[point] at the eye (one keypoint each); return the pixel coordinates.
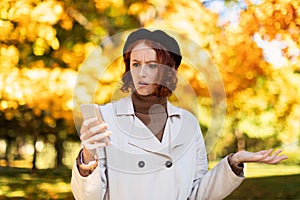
(135, 64)
(153, 65)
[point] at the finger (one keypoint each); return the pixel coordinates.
(277, 152)
(98, 138)
(280, 158)
(272, 156)
(92, 147)
(260, 156)
(89, 123)
(277, 159)
(262, 152)
(100, 128)
(267, 153)
(86, 124)
(96, 130)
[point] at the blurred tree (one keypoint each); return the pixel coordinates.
(42, 45)
(263, 91)
(250, 76)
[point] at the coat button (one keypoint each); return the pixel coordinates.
(168, 164)
(141, 164)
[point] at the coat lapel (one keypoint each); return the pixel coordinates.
(181, 130)
(140, 136)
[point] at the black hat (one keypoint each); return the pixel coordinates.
(157, 36)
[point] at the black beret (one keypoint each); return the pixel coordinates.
(157, 36)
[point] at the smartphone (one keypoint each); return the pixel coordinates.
(92, 110)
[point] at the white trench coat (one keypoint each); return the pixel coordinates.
(139, 167)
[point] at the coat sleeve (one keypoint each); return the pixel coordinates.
(93, 186)
(215, 184)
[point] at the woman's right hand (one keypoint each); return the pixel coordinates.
(93, 135)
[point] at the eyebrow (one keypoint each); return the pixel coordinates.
(150, 61)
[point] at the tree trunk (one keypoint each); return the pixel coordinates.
(7, 150)
(59, 149)
(241, 143)
(35, 135)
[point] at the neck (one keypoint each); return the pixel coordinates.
(143, 103)
(152, 111)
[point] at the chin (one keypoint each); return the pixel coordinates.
(143, 92)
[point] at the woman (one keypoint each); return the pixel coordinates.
(157, 151)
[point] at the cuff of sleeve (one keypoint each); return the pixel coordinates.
(81, 159)
(85, 169)
(237, 168)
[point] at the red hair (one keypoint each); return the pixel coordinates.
(168, 68)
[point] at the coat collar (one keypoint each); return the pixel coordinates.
(125, 107)
(142, 137)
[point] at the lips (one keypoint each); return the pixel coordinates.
(143, 83)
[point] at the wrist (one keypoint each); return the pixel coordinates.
(85, 169)
(235, 159)
(235, 165)
(86, 157)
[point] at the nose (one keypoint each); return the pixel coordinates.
(143, 70)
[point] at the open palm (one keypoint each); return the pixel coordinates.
(264, 156)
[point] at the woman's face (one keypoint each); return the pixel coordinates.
(144, 69)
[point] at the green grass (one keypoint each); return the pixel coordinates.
(274, 187)
(262, 182)
(20, 183)
(269, 182)
(254, 170)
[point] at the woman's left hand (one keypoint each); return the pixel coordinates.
(264, 156)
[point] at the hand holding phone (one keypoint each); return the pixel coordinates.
(91, 111)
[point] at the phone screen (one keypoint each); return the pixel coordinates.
(90, 110)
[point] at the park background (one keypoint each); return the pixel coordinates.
(255, 45)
